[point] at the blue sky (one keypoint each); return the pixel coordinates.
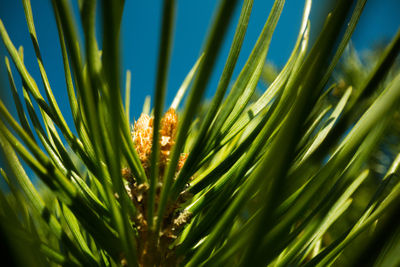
(140, 33)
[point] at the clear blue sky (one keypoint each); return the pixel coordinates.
(140, 35)
(141, 26)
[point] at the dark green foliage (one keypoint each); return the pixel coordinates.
(284, 177)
